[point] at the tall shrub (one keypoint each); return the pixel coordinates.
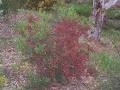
(67, 47)
(55, 52)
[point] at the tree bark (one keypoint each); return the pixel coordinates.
(99, 7)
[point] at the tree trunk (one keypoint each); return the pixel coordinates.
(99, 7)
(98, 17)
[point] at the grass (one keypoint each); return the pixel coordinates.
(36, 82)
(112, 34)
(113, 13)
(106, 62)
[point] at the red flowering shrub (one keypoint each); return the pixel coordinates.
(67, 47)
(57, 52)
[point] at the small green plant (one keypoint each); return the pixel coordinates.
(85, 20)
(21, 26)
(3, 80)
(66, 11)
(36, 82)
(83, 9)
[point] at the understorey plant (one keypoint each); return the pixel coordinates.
(68, 50)
(34, 41)
(56, 53)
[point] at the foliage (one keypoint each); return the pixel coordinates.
(31, 33)
(33, 39)
(67, 46)
(85, 20)
(107, 62)
(36, 82)
(112, 34)
(66, 11)
(113, 14)
(82, 9)
(3, 80)
(56, 51)
(110, 66)
(37, 4)
(71, 11)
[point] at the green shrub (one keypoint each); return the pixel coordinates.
(34, 34)
(83, 9)
(66, 11)
(71, 11)
(36, 82)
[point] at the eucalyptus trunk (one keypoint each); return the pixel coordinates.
(99, 8)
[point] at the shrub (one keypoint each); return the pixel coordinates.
(71, 11)
(82, 9)
(36, 82)
(67, 48)
(37, 4)
(34, 39)
(56, 51)
(66, 11)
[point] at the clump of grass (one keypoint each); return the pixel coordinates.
(66, 11)
(83, 9)
(113, 13)
(36, 82)
(109, 66)
(112, 34)
(107, 62)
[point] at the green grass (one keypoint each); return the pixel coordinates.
(83, 9)
(36, 82)
(113, 13)
(112, 34)
(106, 62)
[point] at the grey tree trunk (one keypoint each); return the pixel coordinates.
(98, 17)
(99, 7)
